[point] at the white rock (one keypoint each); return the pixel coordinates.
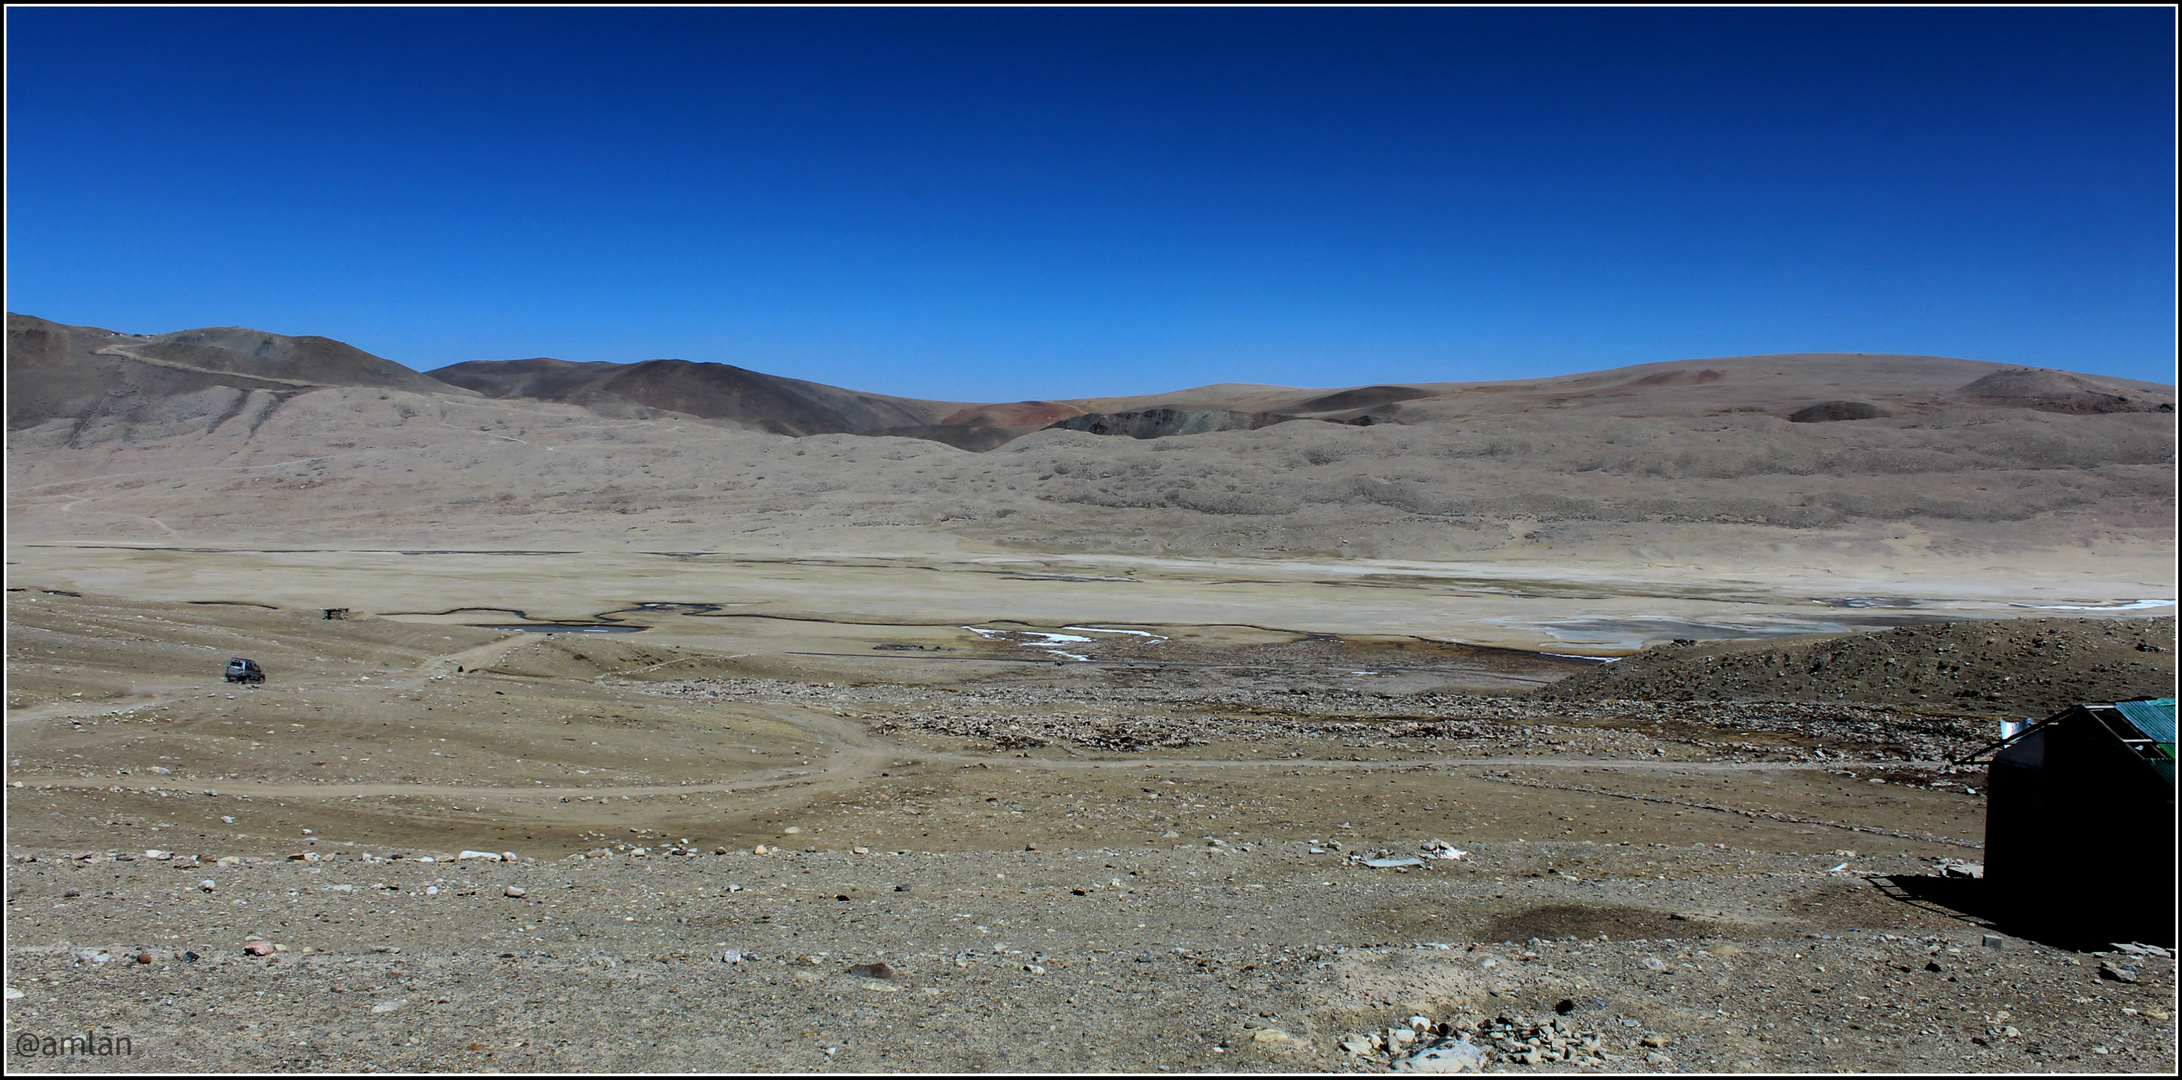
(155, 853)
(425, 858)
(488, 856)
(1450, 1057)
(514, 891)
(431, 890)
(507, 856)
(207, 885)
(13, 993)
(389, 1006)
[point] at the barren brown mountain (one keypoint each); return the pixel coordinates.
(88, 376)
(712, 391)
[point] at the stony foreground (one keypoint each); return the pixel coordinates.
(1154, 860)
(1188, 957)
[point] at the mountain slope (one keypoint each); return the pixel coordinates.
(1698, 462)
(85, 374)
(712, 391)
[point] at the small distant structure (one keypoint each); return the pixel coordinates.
(337, 613)
(2080, 823)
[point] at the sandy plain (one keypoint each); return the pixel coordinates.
(1077, 735)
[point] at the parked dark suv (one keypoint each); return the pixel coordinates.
(246, 671)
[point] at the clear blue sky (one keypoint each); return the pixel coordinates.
(992, 205)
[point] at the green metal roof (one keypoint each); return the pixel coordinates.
(2155, 718)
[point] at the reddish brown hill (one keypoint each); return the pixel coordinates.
(1023, 415)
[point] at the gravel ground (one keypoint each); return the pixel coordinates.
(2022, 667)
(1187, 958)
(1064, 868)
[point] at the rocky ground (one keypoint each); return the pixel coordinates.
(1186, 957)
(1154, 861)
(2030, 666)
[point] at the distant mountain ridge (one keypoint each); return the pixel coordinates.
(83, 373)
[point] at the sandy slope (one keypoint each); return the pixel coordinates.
(1607, 480)
(1964, 471)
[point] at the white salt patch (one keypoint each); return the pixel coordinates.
(1105, 630)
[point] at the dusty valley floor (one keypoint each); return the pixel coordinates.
(1073, 846)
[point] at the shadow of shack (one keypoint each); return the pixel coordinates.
(2080, 825)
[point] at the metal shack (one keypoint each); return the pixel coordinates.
(2080, 824)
